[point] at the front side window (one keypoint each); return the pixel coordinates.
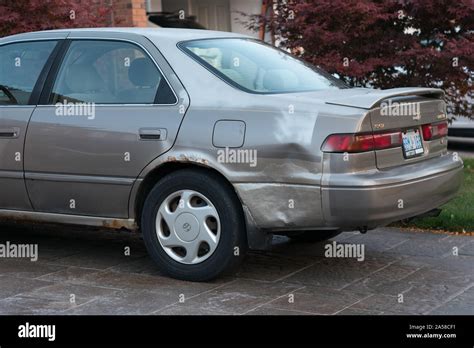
(109, 72)
(20, 66)
(257, 67)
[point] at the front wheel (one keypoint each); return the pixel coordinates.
(193, 226)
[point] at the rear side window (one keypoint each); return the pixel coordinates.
(20, 66)
(258, 68)
(109, 72)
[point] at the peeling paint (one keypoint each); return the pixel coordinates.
(186, 158)
(119, 223)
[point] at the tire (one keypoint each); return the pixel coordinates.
(312, 236)
(198, 193)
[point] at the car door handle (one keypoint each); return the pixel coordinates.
(10, 132)
(152, 133)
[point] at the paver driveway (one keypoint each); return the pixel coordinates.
(86, 271)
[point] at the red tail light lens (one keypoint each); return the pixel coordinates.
(387, 140)
(348, 143)
(361, 142)
(435, 130)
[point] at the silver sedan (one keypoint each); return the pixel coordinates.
(209, 143)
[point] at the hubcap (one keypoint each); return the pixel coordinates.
(188, 227)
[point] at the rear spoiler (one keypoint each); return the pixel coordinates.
(369, 98)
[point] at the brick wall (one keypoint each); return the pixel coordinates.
(129, 13)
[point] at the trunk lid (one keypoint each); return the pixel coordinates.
(405, 109)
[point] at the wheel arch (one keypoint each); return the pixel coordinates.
(146, 184)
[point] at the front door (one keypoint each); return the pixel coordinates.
(109, 113)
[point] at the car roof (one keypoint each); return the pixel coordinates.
(168, 34)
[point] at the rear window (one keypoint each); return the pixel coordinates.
(257, 67)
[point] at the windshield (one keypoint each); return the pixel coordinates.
(257, 67)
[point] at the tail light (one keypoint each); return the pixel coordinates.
(387, 140)
(361, 142)
(348, 143)
(435, 130)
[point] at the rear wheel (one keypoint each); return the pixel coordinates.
(312, 236)
(193, 226)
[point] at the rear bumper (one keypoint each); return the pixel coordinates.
(380, 197)
(351, 201)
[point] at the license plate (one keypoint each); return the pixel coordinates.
(412, 144)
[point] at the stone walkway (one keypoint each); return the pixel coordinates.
(86, 271)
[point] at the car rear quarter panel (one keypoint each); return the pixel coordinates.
(282, 189)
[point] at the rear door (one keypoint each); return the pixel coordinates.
(21, 65)
(108, 111)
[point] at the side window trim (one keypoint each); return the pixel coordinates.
(39, 84)
(53, 73)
